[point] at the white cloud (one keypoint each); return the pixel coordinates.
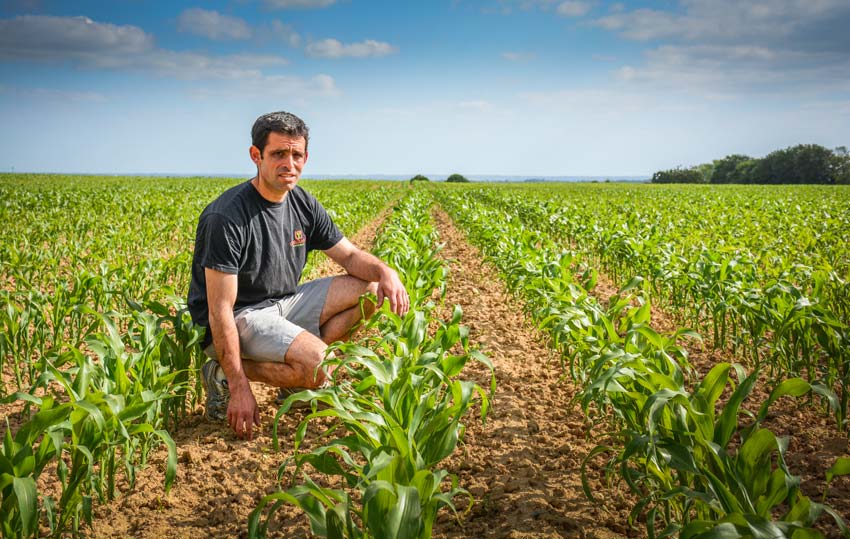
(290, 87)
(331, 48)
(723, 20)
(212, 25)
(605, 102)
(195, 66)
(568, 8)
(725, 46)
(50, 94)
(735, 67)
(573, 8)
(42, 37)
(285, 32)
(297, 4)
(106, 46)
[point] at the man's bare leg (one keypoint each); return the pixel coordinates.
(344, 299)
(299, 369)
(339, 315)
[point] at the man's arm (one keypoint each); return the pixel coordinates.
(368, 267)
(242, 411)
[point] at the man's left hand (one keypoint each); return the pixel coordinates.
(391, 288)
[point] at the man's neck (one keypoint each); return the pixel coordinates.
(271, 196)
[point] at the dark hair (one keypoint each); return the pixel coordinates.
(281, 122)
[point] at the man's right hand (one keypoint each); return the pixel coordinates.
(242, 411)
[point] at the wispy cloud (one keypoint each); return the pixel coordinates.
(297, 4)
(50, 94)
(518, 56)
(212, 25)
(726, 45)
(293, 88)
(568, 8)
(43, 37)
(285, 33)
(573, 8)
(476, 105)
(98, 45)
(332, 48)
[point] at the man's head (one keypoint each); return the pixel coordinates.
(279, 150)
(281, 122)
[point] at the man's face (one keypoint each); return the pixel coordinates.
(279, 166)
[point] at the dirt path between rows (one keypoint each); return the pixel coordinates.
(523, 466)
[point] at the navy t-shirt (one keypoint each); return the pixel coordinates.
(264, 243)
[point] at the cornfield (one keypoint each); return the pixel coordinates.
(100, 359)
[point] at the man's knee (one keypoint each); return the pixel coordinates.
(305, 354)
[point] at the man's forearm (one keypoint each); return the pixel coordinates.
(364, 266)
(226, 343)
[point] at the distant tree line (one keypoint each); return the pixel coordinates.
(804, 163)
(454, 178)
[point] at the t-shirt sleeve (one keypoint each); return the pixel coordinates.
(223, 241)
(325, 234)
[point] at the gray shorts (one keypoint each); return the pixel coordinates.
(265, 333)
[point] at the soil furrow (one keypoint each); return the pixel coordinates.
(523, 466)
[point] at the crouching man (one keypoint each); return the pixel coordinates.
(251, 246)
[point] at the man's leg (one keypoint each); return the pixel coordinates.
(342, 311)
(305, 353)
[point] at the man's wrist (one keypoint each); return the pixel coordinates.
(238, 383)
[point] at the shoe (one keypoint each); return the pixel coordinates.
(218, 394)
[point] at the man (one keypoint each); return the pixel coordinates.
(251, 246)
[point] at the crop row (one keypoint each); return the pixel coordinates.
(96, 347)
(397, 403)
(765, 274)
(696, 466)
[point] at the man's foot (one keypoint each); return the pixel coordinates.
(218, 394)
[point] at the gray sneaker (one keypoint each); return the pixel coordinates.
(218, 394)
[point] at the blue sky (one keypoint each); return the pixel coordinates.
(489, 87)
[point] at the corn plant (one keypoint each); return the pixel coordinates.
(667, 444)
(399, 403)
(748, 282)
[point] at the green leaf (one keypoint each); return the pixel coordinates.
(25, 493)
(794, 387)
(728, 421)
(840, 467)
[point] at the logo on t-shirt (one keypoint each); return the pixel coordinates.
(298, 239)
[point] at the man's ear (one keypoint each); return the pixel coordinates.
(306, 156)
(256, 155)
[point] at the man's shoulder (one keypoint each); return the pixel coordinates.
(301, 193)
(232, 202)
